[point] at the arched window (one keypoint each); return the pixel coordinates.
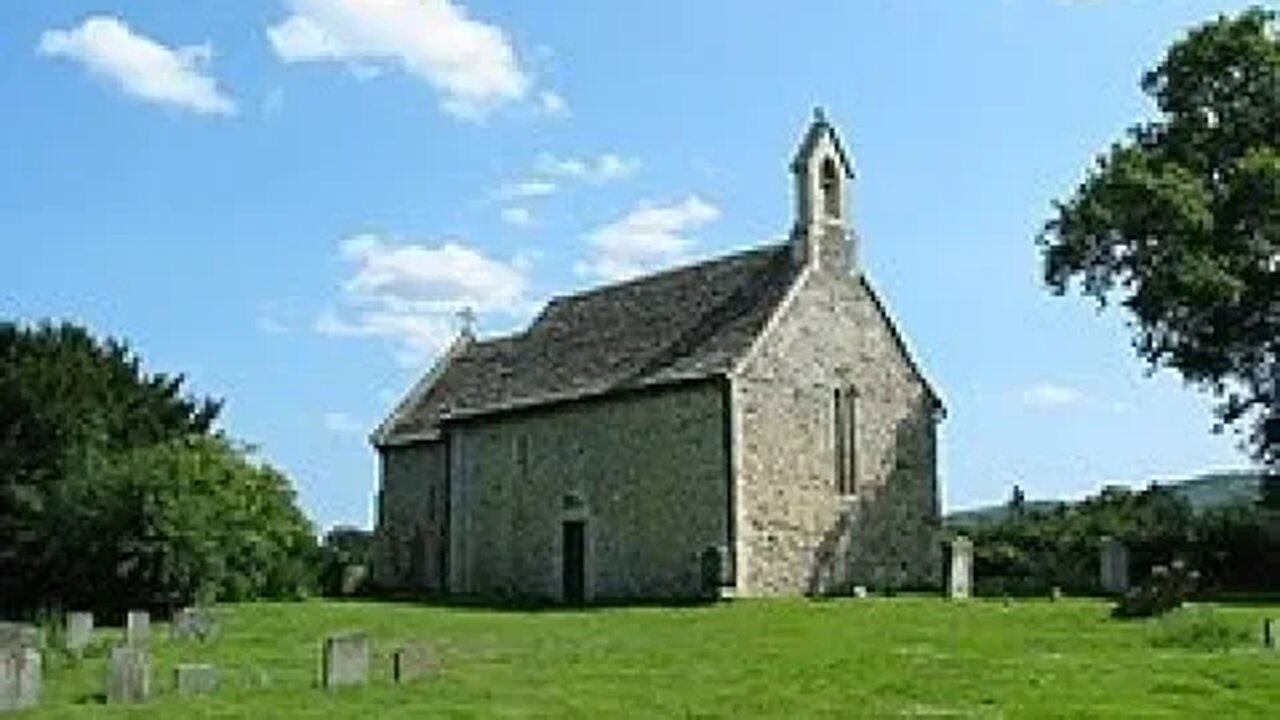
(830, 188)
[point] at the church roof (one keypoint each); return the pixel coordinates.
(689, 323)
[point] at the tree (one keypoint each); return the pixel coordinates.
(116, 492)
(1181, 221)
(64, 396)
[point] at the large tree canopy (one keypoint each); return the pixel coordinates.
(115, 491)
(1180, 221)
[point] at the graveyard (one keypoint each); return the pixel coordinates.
(904, 655)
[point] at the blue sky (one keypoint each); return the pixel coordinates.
(289, 200)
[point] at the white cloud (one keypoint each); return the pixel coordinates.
(649, 237)
(411, 294)
(517, 216)
(471, 63)
(142, 67)
(1048, 395)
(604, 168)
(271, 326)
(553, 104)
(342, 424)
(525, 189)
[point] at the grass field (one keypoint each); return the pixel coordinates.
(835, 658)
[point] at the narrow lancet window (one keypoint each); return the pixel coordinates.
(830, 180)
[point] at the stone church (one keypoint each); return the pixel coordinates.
(753, 424)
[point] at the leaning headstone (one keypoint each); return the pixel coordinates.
(79, 631)
(413, 661)
(191, 623)
(195, 679)
(959, 568)
(353, 578)
(137, 628)
(20, 666)
(345, 660)
(128, 674)
(1113, 566)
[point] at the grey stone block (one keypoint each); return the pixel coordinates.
(1113, 566)
(959, 568)
(345, 660)
(413, 661)
(79, 632)
(137, 629)
(128, 674)
(20, 677)
(195, 679)
(19, 635)
(193, 623)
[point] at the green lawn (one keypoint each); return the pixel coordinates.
(848, 658)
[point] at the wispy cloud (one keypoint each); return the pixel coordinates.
(271, 326)
(472, 63)
(342, 424)
(604, 168)
(525, 189)
(142, 67)
(410, 294)
(517, 216)
(648, 238)
(1049, 395)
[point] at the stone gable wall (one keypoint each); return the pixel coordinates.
(647, 472)
(410, 537)
(796, 533)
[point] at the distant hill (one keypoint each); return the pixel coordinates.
(1202, 492)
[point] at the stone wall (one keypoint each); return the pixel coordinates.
(647, 472)
(796, 532)
(411, 511)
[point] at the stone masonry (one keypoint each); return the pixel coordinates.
(761, 407)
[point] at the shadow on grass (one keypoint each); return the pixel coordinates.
(521, 604)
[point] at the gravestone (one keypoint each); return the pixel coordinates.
(189, 623)
(128, 674)
(353, 578)
(860, 591)
(1269, 629)
(20, 666)
(1113, 566)
(1055, 594)
(137, 628)
(413, 661)
(958, 571)
(79, 631)
(195, 679)
(345, 660)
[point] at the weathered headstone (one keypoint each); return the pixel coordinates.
(79, 631)
(1113, 566)
(137, 628)
(1269, 629)
(345, 660)
(353, 578)
(413, 661)
(1055, 594)
(959, 568)
(195, 679)
(860, 591)
(20, 666)
(191, 623)
(128, 674)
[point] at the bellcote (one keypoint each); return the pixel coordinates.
(822, 172)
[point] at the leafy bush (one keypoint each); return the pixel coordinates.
(1164, 590)
(1199, 629)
